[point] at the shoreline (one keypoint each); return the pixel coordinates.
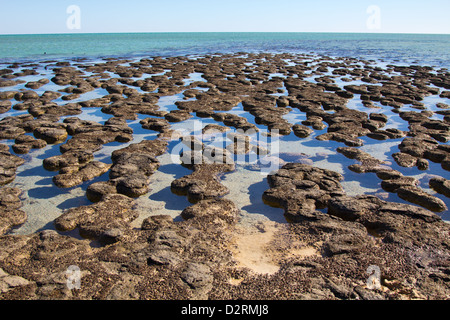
(348, 205)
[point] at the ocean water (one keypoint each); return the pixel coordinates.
(433, 50)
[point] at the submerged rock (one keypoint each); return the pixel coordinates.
(368, 163)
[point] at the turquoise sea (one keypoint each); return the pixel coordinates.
(433, 50)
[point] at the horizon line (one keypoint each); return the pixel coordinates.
(168, 32)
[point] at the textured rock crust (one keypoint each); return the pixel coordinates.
(331, 239)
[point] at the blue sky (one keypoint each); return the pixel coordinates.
(396, 16)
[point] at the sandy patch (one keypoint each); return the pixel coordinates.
(264, 246)
(250, 249)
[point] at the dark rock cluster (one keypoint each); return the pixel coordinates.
(129, 174)
(331, 239)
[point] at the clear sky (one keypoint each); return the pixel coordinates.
(393, 16)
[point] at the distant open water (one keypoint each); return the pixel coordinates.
(431, 50)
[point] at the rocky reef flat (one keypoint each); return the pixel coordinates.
(359, 180)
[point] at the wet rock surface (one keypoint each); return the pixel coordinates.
(331, 239)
